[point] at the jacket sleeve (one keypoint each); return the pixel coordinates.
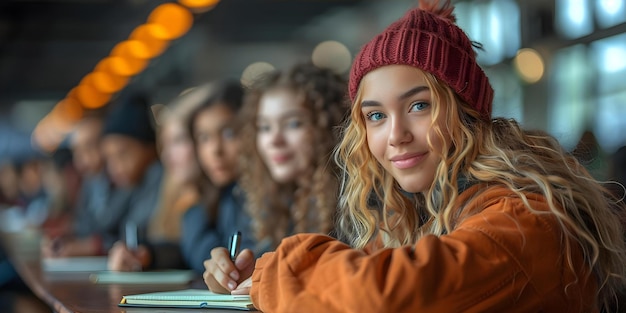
(475, 266)
(145, 198)
(197, 238)
(165, 255)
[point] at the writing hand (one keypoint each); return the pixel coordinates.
(243, 288)
(221, 275)
(123, 259)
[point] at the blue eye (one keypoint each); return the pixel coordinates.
(419, 106)
(294, 124)
(375, 116)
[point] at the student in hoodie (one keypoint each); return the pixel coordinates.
(180, 190)
(478, 214)
(288, 135)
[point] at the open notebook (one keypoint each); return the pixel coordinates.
(153, 277)
(189, 298)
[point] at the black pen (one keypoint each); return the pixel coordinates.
(235, 243)
(57, 244)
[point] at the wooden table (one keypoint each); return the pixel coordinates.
(73, 292)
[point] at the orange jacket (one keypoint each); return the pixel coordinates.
(502, 259)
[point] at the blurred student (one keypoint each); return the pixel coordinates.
(32, 192)
(213, 126)
(134, 176)
(14, 294)
(24, 183)
(288, 176)
(180, 191)
(84, 143)
(61, 183)
(9, 190)
(478, 215)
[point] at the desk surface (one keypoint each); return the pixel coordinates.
(73, 292)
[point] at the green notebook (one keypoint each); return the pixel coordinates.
(189, 298)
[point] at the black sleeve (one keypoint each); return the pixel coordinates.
(166, 255)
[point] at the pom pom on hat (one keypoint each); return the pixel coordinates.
(428, 38)
(131, 117)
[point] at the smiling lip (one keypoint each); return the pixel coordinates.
(407, 160)
(281, 158)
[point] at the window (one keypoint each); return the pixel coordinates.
(609, 55)
(507, 101)
(494, 24)
(610, 58)
(573, 18)
(570, 95)
(611, 122)
(610, 12)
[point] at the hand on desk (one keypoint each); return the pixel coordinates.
(221, 275)
(67, 247)
(123, 259)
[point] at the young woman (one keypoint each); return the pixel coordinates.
(477, 214)
(221, 213)
(287, 173)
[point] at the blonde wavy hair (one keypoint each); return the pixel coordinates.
(476, 150)
(276, 208)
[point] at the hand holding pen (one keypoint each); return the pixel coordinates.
(129, 255)
(227, 268)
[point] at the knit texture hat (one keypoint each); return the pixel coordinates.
(428, 38)
(131, 117)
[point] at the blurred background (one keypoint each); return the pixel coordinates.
(556, 65)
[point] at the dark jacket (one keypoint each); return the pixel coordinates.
(104, 210)
(200, 235)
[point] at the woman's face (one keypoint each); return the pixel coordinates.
(178, 154)
(217, 145)
(396, 105)
(284, 137)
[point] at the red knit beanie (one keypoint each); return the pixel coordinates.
(428, 38)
